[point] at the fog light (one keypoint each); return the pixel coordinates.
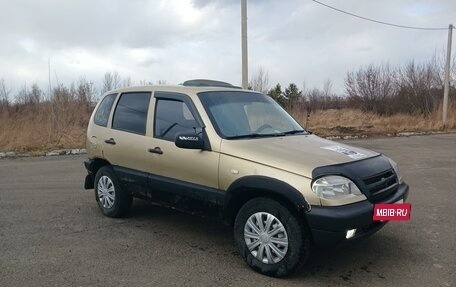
(350, 233)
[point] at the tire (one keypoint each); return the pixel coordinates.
(278, 259)
(112, 200)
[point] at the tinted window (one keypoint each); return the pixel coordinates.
(173, 117)
(131, 113)
(103, 111)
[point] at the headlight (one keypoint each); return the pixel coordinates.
(335, 187)
(396, 169)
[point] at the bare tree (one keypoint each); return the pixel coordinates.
(327, 88)
(416, 84)
(438, 67)
(4, 102)
(145, 83)
(371, 87)
(111, 81)
(4, 94)
(84, 93)
(21, 96)
(36, 94)
(126, 82)
(30, 96)
(314, 97)
(437, 64)
(260, 81)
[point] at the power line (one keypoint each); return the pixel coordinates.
(377, 21)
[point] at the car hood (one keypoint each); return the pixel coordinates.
(299, 154)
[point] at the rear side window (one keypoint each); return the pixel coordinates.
(131, 112)
(102, 115)
(173, 117)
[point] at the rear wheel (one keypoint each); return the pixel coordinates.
(270, 238)
(111, 199)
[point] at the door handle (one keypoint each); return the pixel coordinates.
(110, 141)
(156, 150)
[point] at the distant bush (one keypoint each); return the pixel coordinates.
(412, 89)
(415, 89)
(37, 122)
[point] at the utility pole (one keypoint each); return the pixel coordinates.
(245, 73)
(447, 76)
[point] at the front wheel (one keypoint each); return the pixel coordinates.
(270, 238)
(111, 198)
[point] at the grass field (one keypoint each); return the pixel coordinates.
(355, 122)
(39, 128)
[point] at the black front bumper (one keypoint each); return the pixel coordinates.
(329, 224)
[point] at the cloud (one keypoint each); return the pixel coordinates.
(295, 41)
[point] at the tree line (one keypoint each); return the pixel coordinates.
(55, 113)
(414, 88)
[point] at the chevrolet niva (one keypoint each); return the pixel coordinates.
(209, 148)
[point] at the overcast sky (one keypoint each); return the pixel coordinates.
(293, 40)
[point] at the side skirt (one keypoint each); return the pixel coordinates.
(185, 196)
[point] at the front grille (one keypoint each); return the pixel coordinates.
(374, 176)
(381, 185)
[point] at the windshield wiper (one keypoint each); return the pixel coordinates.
(256, 135)
(292, 132)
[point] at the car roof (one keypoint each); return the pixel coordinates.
(188, 90)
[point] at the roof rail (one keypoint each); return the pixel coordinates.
(208, 83)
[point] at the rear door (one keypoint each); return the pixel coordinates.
(126, 143)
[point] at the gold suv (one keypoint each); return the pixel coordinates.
(209, 148)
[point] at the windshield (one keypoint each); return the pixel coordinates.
(246, 115)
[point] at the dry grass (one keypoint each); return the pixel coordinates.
(43, 127)
(355, 122)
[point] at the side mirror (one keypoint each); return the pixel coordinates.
(189, 141)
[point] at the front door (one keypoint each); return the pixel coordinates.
(184, 178)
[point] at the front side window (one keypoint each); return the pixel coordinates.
(102, 114)
(247, 115)
(131, 112)
(173, 117)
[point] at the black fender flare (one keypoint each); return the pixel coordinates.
(92, 166)
(265, 185)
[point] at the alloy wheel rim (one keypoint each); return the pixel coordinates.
(106, 192)
(266, 237)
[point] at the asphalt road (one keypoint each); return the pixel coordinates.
(52, 233)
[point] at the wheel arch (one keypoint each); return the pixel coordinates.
(249, 187)
(92, 166)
